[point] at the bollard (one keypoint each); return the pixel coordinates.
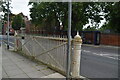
(23, 37)
(75, 70)
(23, 41)
(15, 35)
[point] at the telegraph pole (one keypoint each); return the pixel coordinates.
(69, 39)
(8, 27)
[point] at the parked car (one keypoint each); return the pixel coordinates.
(11, 31)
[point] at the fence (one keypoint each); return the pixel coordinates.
(88, 37)
(49, 50)
(52, 51)
(110, 39)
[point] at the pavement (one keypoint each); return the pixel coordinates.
(17, 66)
(0, 61)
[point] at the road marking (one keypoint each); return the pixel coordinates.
(105, 46)
(9, 45)
(86, 51)
(112, 56)
(9, 42)
(91, 45)
(105, 54)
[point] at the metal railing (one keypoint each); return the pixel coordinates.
(52, 51)
(49, 50)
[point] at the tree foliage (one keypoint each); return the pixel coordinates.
(5, 10)
(53, 13)
(49, 15)
(1, 3)
(114, 17)
(18, 22)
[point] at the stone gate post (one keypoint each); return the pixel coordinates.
(75, 70)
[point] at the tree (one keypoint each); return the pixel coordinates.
(90, 29)
(18, 22)
(1, 9)
(47, 14)
(1, 3)
(114, 17)
(50, 14)
(4, 6)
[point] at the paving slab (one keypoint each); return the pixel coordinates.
(14, 72)
(47, 71)
(10, 67)
(36, 74)
(29, 70)
(55, 75)
(20, 76)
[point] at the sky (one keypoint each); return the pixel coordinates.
(19, 6)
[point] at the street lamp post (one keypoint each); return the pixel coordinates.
(8, 27)
(69, 38)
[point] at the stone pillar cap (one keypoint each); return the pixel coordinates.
(77, 38)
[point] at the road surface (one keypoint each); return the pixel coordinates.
(99, 62)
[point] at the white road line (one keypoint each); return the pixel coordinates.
(9, 42)
(86, 51)
(103, 55)
(9, 46)
(113, 58)
(12, 47)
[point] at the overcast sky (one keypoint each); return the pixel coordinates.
(20, 6)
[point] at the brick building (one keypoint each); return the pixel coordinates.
(11, 30)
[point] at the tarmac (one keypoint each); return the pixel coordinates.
(15, 66)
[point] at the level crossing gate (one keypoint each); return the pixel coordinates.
(50, 50)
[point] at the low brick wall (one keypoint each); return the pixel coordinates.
(89, 37)
(110, 39)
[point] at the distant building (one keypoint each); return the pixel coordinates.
(5, 29)
(27, 24)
